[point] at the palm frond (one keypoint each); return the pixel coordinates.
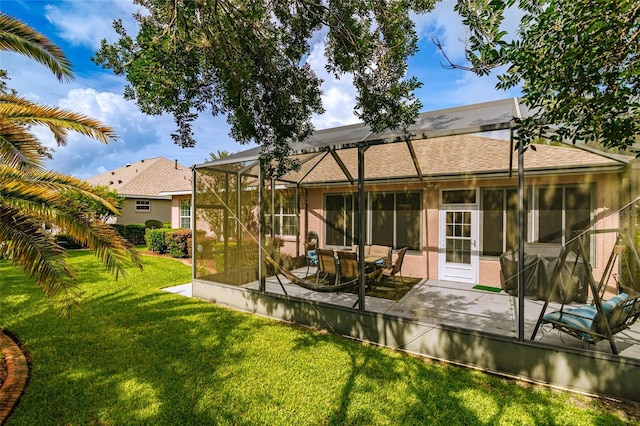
(44, 192)
(18, 147)
(108, 246)
(22, 111)
(24, 243)
(18, 37)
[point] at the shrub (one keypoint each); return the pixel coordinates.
(179, 243)
(152, 223)
(134, 233)
(64, 241)
(156, 240)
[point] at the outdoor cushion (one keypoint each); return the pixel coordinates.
(580, 318)
(613, 302)
(584, 319)
(312, 257)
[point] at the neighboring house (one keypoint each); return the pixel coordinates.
(155, 188)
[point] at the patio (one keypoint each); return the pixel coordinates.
(455, 207)
(459, 305)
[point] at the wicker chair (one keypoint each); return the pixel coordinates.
(326, 265)
(393, 269)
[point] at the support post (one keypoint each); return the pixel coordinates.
(262, 271)
(521, 230)
(361, 227)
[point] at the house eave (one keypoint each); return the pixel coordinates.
(172, 193)
(144, 196)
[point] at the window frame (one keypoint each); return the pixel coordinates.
(281, 195)
(504, 217)
(532, 215)
(181, 212)
(369, 212)
(590, 247)
(143, 206)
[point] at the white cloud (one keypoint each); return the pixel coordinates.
(445, 24)
(84, 23)
(140, 136)
(338, 95)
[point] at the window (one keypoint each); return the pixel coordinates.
(393, 219)
(285, 213)
(185, 213)
(459, 196)
(560, 213)
(143, 205)
(499, 221)
(339, 219)
(563, 212)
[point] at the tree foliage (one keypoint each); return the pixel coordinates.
(32, 199)
(578, 62)
(247, 60)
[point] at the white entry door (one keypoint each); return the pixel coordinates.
(458, 251)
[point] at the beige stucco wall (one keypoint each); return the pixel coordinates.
(425, 264)
(175, 209)
(160, 210)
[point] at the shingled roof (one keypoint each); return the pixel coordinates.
(146, 178)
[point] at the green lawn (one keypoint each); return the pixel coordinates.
(132, 354)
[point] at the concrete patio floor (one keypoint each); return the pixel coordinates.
(458, 305)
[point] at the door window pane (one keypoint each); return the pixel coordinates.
(457, 246)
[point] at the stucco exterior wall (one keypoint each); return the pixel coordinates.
(160, 210)
(425, 264)
(175, 209)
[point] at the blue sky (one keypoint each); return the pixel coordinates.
(77, 26)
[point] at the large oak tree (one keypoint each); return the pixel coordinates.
(246, 59)
(578, 62)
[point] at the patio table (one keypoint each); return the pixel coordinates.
(374, 260)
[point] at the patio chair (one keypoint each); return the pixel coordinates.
(392, 269)
(349, 269)
(312, 258)
(592, 324)
(383, 252)
(326, 265)
(600, 320)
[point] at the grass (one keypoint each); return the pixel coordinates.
(132, 354)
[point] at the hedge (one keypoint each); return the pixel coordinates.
(179, 243)
(134, 233)
(156, 239)
(66, 242)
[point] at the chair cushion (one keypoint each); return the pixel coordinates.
(312, 257)
(610, 304)
(580, 318)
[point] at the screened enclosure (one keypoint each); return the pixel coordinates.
(415, 223)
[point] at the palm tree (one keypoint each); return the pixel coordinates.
(32, 198)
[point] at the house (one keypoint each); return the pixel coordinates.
(451, 199)
(451, 190)
(154, 188)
